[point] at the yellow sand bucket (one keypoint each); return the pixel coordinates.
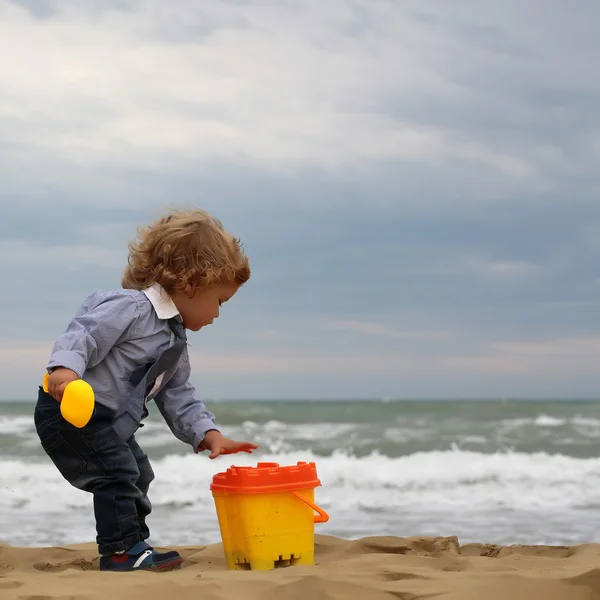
(266, 515)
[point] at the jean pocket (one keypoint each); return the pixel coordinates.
(45, 420)
(64, 455)
(101, 438)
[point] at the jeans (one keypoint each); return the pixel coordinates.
(95, 459)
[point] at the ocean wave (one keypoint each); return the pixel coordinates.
(466, 480)
(548, 421)
(19, 425)
(399, 437)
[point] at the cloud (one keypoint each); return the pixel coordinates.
(571, 357)
(153, 98)
(138, 86)
(511, 368)
(573, 348)
(416, 184)
(381, 330)
(70, 257)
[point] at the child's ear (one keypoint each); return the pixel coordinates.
(190, 291)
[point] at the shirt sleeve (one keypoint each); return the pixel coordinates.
(186, 416)
(104, 320)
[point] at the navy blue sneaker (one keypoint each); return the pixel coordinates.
(141, 557)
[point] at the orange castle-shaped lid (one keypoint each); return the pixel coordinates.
(266, 477)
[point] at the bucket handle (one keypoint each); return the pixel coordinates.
(322, 517)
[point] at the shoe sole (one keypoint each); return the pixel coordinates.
(166, 566)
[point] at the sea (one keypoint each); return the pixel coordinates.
(494, 471)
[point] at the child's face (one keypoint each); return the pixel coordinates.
(199, 307)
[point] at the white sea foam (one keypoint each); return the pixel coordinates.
(433, 473)
(453, 492)
(19, 426)
(301, 431)
(544, 420)
(452, 478)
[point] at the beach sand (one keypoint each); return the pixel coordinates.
(374, 568)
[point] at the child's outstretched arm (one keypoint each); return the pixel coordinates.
(218, 444)
(189, 419)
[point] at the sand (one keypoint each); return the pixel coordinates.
(374, 568)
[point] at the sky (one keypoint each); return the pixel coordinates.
(416, 185)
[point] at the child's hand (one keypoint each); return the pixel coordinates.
(58, 380)
(217, 444)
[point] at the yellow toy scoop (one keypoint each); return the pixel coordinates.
(77, 405)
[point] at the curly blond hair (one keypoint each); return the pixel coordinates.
(186, 247)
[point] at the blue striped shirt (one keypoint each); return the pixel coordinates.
(115, 332)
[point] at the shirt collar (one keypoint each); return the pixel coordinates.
(161, 301)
